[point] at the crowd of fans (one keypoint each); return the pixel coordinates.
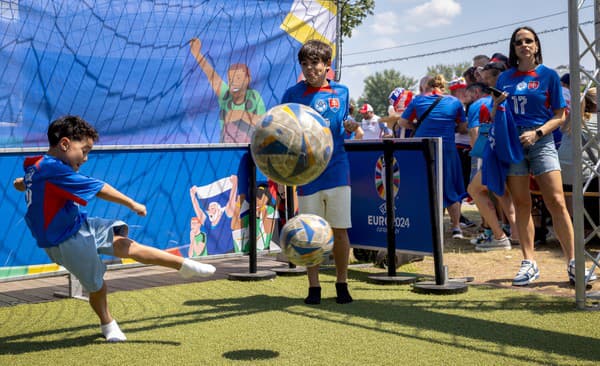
(506, 130)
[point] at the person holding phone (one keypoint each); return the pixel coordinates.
(480, 118)
(537, 106)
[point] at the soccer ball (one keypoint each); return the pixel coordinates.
(306, 240)
(292, 144)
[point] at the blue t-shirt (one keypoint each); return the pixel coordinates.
(479, 112)
(219, 237)
(533, 95)
(441, 121)
(54, 195)
(332, 103)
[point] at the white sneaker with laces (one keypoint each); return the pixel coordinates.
(494, 244)
(528, 273)
(486, 235)
(571, 272)
(457, 233)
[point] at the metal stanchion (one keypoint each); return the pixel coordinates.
(391, 277)
(252, 274)
(441, 285)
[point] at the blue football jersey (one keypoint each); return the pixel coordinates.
(54, 194)
(479, 112)
(533, 95)
(332, 103)
(441, 121)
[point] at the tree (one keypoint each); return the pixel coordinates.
(353, 13)
(449, 71)
(379, 86)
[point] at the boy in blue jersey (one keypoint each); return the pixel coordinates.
(55, 190)
(329, 195)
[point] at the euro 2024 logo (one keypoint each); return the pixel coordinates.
(380, 180)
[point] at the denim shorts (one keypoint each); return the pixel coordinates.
(80, 254)
(475, 166)
(540, 158)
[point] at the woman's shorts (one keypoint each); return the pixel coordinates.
(540, 158)
(80, 254)
(331, 204)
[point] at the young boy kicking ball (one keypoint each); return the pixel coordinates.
(55, 190)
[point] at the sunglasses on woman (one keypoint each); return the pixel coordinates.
(520, 42)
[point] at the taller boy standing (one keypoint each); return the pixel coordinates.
(55, 190)
(329, 195)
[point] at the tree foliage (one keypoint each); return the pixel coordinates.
(449, 71)
(353, 13)
(379, 86)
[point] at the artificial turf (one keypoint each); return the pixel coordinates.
(225, 322)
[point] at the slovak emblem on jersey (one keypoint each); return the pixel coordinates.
(334, 104)
(533, 84)
(522, 85)
(321, 105)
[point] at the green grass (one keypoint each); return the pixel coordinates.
(254, 323)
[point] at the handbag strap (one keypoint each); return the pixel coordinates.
(424, 115)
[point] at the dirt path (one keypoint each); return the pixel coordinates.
(499, 267)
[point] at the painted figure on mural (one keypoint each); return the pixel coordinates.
(240, 107)
(220, 213)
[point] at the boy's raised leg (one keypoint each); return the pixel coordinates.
(127, 248)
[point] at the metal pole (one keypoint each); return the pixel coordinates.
(252, 215)
(438, 259)
(388, 158)
(575, 120)
(290, 210)
(338, 40)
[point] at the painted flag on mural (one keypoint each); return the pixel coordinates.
(215, 208)
(312, 20)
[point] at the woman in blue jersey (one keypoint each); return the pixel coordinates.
(446, 118)
(537, 106)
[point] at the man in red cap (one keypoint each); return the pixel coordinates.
(372, 127)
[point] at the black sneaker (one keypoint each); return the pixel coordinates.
(343, 295)
(314, 296)
(466, 223)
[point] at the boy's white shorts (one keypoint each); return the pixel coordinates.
(80, 254)
(331, 204)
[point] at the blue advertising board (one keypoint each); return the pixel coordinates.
(196, 197)
(411, 199)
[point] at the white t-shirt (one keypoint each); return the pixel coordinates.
(371, 128)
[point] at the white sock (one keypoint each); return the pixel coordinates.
(190, 268)
(112, 332)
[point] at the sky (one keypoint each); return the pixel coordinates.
(457, 28)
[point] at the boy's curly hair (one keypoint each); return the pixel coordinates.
(73, 127)
(315, 50)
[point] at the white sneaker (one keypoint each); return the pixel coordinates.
(190, 268)
(457, 233)
(528, 273)
(112, 332)
(486, 235)
(590, 277)
(494, 244)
